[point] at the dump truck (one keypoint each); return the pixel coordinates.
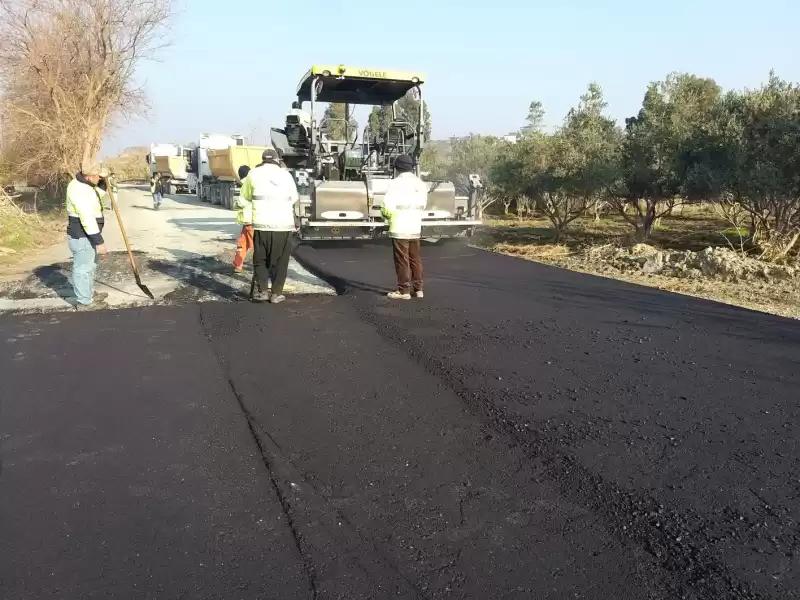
(223, 186)
(199, 173)
(342, 182)
(171, 163)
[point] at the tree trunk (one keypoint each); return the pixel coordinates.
(645, 226)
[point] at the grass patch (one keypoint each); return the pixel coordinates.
(695, 229)
(22, 232)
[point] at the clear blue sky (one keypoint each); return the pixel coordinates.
(234, 66)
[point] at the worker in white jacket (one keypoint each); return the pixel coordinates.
(271, 193)
(403, 206)
(85, 223)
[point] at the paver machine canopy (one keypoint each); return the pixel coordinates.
(309, 144)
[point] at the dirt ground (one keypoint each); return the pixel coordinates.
(676, 258)
(183, 252)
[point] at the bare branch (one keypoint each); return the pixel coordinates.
(67, 70)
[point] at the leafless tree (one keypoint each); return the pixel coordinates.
(67, 73)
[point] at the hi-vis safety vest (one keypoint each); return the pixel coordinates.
(245, 214)
(403, 206)
(271, 193)
(85, 202)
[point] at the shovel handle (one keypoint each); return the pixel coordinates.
(122, 230)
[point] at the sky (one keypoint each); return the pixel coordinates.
(233, 67)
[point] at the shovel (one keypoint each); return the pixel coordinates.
(142, 286)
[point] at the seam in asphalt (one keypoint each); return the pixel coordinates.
(308, 567)
(273, 465)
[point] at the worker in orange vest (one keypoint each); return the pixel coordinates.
(244, 243)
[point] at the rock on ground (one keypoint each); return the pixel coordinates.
(720, 264)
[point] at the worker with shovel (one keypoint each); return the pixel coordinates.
(84, 233)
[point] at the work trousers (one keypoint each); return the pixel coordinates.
(408, 265)
(156, 199)
(84, 264)
(271, 253)
(243, 245)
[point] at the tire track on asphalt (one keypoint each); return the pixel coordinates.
(299, 496)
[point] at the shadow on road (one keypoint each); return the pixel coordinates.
(196, 276)
(53, 277)
(110, 269)
(340, 284)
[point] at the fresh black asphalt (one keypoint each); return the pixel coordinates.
(522, 432)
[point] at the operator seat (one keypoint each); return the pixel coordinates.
(297, 134)
(396, 137)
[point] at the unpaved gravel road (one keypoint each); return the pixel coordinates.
(184, 251)
(523, 432)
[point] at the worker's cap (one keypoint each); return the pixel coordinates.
(404, 163)
(270, 155)
(96, 169)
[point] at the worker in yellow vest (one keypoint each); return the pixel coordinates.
(271, 193)
(85, 196)
(403, 206)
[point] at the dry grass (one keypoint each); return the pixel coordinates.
(695, 229)
(535, 251)
(129, 167)
(691, 228)
(21, 232)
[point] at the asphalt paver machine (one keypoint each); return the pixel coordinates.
(342, 181)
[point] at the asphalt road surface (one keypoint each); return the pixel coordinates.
(522, 432)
